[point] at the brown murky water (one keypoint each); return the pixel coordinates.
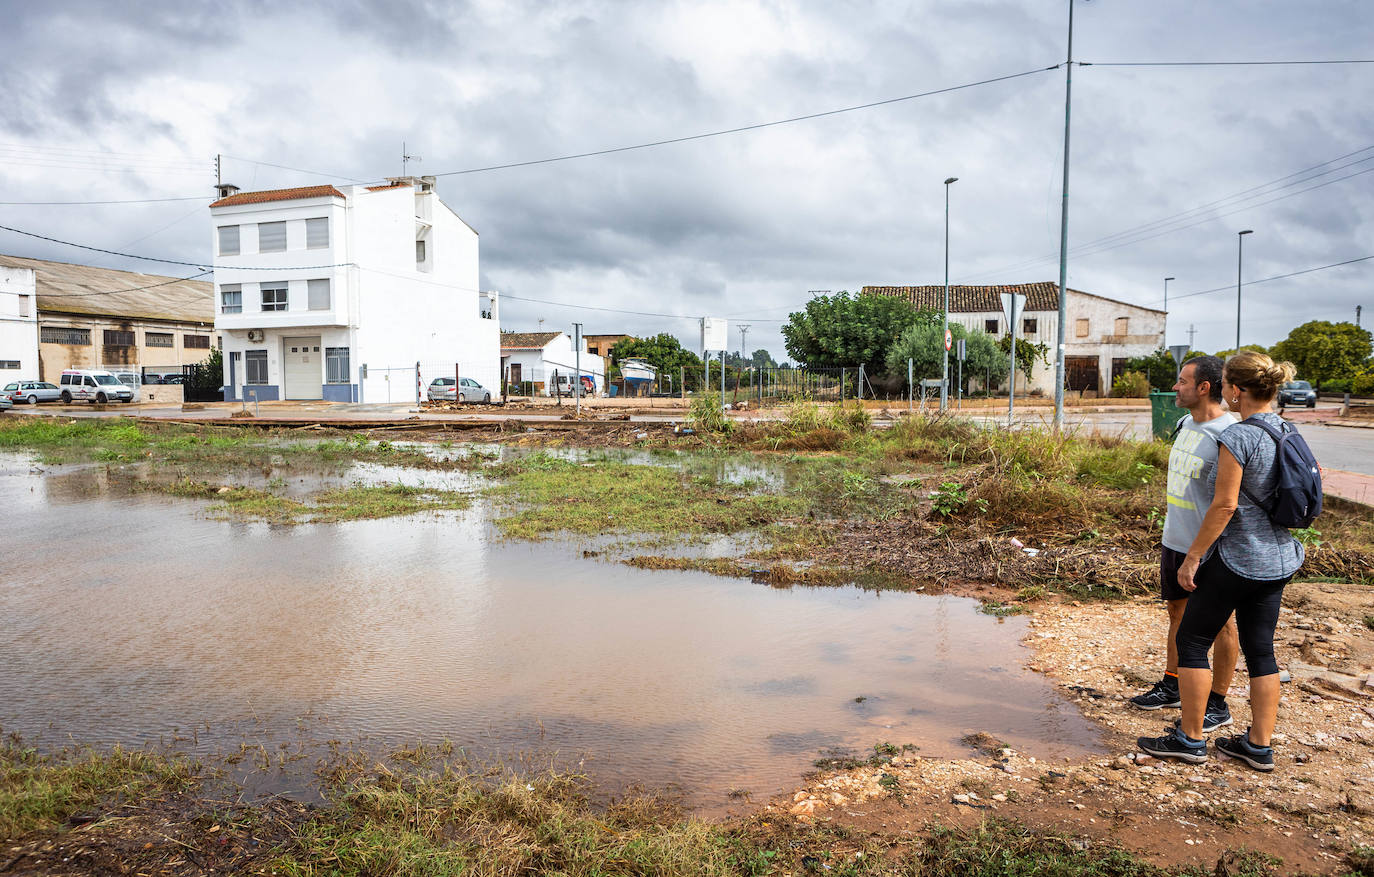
(135, 618)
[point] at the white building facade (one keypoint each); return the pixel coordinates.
(340, 293)
(1102, 333)
(536, 357)
(18, 324)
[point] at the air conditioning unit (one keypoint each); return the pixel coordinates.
(255, 335)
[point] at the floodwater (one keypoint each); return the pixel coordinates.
(132, 618)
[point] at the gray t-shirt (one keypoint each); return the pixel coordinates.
(1189, 490)
(1252, 545)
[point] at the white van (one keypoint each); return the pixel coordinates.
(92, 385)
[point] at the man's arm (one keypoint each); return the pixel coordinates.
(1218, 515)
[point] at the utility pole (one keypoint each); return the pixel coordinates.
(1166, 309)
(1063, 245)
(1192, 330)
(1358, 308)
(577, 366)
(219, 178)
(743, 333)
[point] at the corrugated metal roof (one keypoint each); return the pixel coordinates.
(278, 195)
(83, 289)
(526, 340)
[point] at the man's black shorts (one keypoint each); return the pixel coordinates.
(1169, 562)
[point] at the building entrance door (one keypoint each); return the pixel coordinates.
(303, 368)
(1080, 373)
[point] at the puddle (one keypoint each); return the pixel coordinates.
(133, 618)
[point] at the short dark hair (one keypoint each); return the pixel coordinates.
(1208, 368)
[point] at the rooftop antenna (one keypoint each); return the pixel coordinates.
(406, 158)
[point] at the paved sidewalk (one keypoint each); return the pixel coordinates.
(1348, 485)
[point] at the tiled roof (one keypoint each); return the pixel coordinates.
(526, 340)
(973, 299)
(278, 195)
(385, 186)
(105, 292)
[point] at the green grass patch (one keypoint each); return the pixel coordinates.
(42, 791)
(559, 496)
(356, 502)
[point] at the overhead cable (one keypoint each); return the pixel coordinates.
(1220, 63)
(1231, 286)
(43, 237)
(118, 291)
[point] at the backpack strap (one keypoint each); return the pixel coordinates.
(1277, 436)
(1178, 427)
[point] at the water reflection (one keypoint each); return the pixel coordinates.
(130, 615)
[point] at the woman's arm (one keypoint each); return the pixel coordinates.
(1218, 515)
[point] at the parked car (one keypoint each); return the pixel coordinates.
(449, 390)
(5, 403)
(565, 385)
(90, 385)
(1297, 393)
(31, 392)
(174, 379)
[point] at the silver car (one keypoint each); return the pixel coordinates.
(31, 392)
(5, 403)
(461, 390)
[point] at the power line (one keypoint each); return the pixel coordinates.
(298, 170)
(743, 128)
(93, 203)
(118, 291)
(1232, 286)
(561, 304)
(43, 237)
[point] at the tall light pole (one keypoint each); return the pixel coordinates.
(1240, 246)
(1063, 321)
(1166, 309)
(944, 320)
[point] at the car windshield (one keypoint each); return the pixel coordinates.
(106, 380)
(1299, 385)
(10, 388)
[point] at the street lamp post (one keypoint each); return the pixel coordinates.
(1240, 246)
(1166, 308)
(944, 321)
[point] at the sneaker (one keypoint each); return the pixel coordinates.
(1218, 714)
(1163, 695)
(1240, 748)
(1174, 744)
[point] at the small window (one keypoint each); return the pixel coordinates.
(231, 298)
(23, 306)
(1028, 326)
(255, 366)
(159, 339)
(1122, 326)
(118, 338)
(9, 364)
(336, 365)
(196, 342)
(274, 297)
(60, 335)
(1080, 328)
(419, 251)
(319, 294)
(317, 233)
(271, 237)
(228, 240)
(990, 327)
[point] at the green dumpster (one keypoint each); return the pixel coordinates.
(1163, 413)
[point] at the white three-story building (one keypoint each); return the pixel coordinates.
(337, 293)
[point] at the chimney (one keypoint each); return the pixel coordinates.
(427, 184)
(226, 189)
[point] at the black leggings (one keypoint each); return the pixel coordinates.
(1219, 593)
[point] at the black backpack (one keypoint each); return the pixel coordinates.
(1297, 498)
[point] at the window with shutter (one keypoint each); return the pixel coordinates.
(228, 240)
(317, 233)
(319, 295)
(231, 298)
(271, 237)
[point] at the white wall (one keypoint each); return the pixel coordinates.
(18, 330)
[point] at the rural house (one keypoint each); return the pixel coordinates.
(534, 357)
(342, 293)
(1102, 333)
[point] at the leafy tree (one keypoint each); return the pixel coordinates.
(758, 359)
(209, 374)
(1158, 367)
(1028, 354)
(924, 344)
(663, 351)
(847, 330)
(1231, 351)
(1323, 350)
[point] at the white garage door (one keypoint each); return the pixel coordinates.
(304, 371)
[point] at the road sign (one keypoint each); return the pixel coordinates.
(1178, 351)
(714, 333)
(949, 340)
(961, 353)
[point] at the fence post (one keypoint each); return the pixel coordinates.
(417, 383)
(557, 394)
(682, 379)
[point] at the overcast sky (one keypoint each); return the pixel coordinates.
(112, 101)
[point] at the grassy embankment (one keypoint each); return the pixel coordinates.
(422, 812)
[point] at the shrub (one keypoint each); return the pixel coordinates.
(1363, 385)
(1338, 385)
(708, 415)
(1131, 385)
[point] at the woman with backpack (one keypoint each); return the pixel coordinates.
(1239, 562)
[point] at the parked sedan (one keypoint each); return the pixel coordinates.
(5, 403)
(31, 392)
(463, 390)
(1297, 393)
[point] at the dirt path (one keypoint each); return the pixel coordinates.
(1310, 811)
